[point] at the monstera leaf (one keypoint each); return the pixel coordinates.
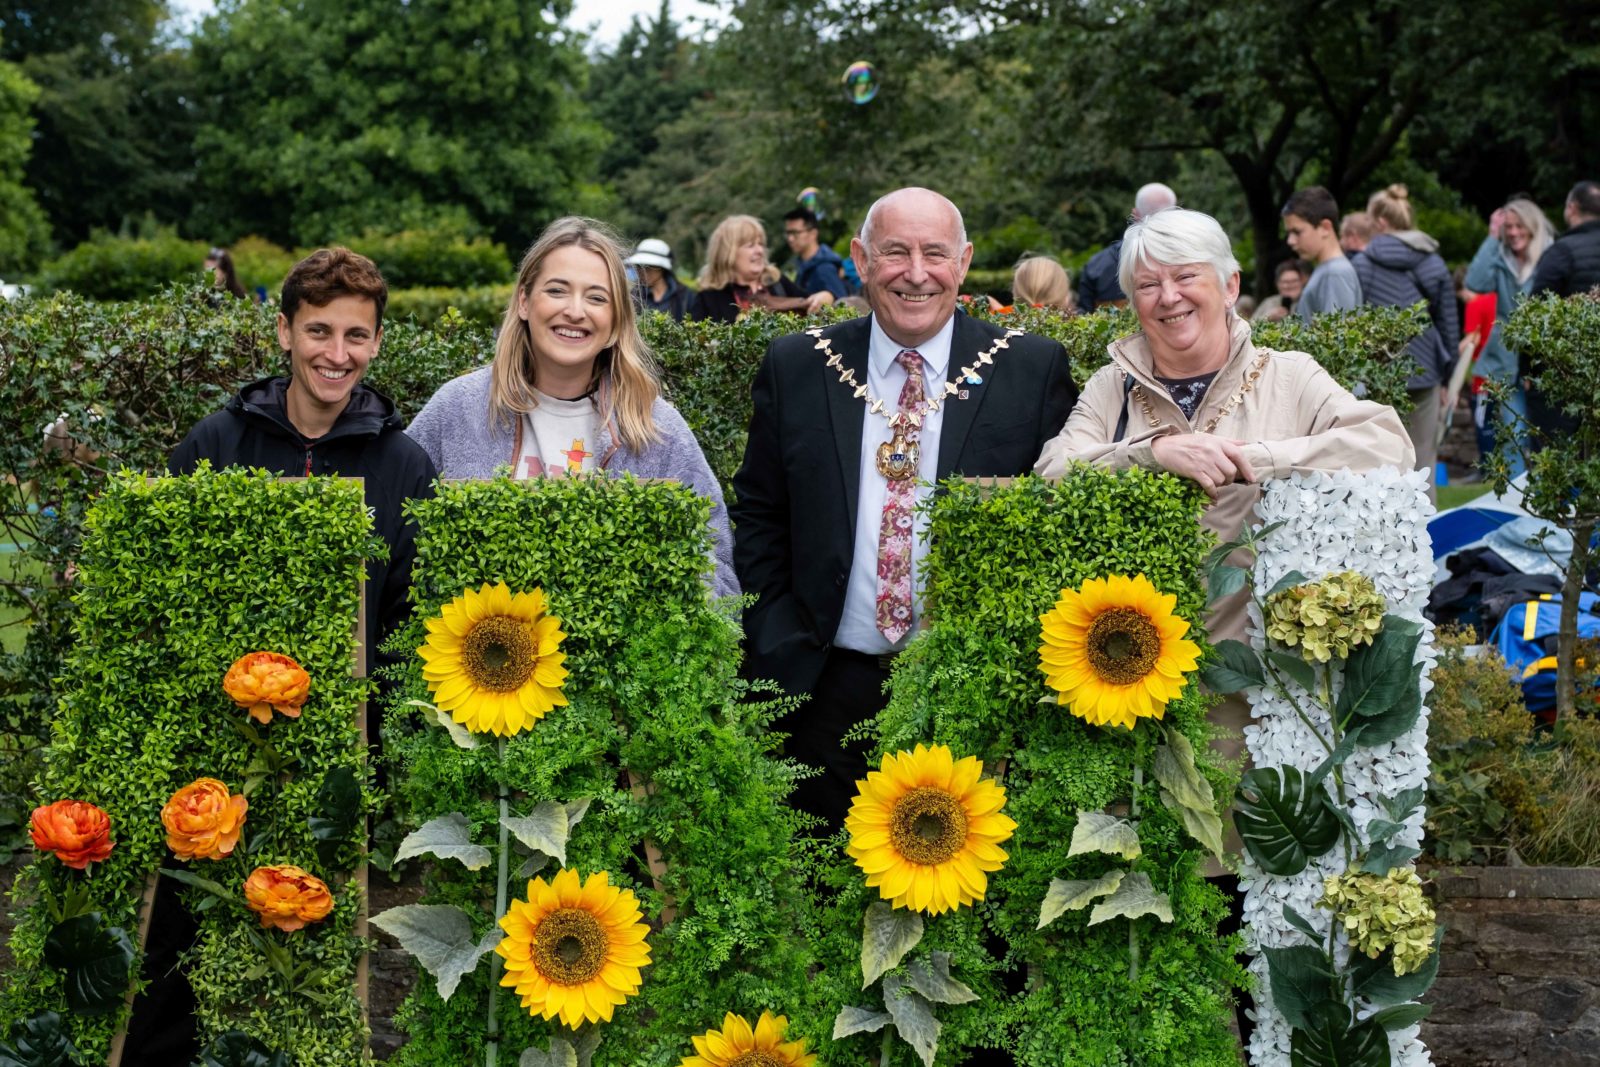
(39, 1041)
(1285, 819)
(1330, 1040)
(94, 959)
(237, 1049)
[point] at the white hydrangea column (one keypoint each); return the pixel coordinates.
(1376, 524)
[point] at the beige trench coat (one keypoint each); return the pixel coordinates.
(1292, 416)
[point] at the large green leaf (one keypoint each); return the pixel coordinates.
(94, 959)
(1330, 1040)
(1136, 896)
(40, 1040)
(1066, 895)
(1098, 832)
(887, 934)
(1238, 668)
(338, 806)
(440, 937)
(1375, 978)
(913, 1018)
(1301, 981)
(1377, 676)
(237, 1049)
(931, 978)
(1284, 821)
(450, 838)
(851, 1020)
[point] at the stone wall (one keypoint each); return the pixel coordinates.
(1519, 975)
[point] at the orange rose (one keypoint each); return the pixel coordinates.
(287, 897)
(263, 681)
(76, 831)
(203, 821)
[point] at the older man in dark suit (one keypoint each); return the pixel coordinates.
(852, 426)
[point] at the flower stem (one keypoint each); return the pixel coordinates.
(886, 1050)
(1133, 928)
(1338, 772)
(501, 881)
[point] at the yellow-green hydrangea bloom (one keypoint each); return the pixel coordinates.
(1383, 911)
(1326, 619)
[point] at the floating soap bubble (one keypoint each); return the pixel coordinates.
(810, 198)
(861, 82)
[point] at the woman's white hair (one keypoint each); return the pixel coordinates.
(1173, 237)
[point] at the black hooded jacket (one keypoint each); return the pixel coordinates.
(366, 442)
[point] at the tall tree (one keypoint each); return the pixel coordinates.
(23, 230)
(637, 87)
(113, 133)
(327, 117)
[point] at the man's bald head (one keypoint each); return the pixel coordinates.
(912, 255)
(1152, 198)
(916, 199)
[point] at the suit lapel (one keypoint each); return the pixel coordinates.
(967, 341)
(851, 340)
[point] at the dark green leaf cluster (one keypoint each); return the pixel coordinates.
(178, 577)
(670, 748)
(111, 267)
(1001, 556)
(707, 368)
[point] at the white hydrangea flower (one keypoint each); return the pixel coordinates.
(1376, 524)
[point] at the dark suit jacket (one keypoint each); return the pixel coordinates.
(794, 515)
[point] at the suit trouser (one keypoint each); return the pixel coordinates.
(849, 691)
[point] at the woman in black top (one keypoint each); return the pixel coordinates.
(737, 277)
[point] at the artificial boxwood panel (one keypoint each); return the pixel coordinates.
(652, 691)
(179, 577)
(1060, 995)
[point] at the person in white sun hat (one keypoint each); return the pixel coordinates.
(657, 288)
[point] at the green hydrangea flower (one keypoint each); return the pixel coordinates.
(1327, 618)
(1380, 912)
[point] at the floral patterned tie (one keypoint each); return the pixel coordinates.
(895, 533)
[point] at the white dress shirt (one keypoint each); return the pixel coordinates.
(858, 626)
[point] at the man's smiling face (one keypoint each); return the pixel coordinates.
(914, 265)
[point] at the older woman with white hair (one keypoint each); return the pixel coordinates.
(1191, 394)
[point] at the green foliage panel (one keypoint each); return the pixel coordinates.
(652, 694)
(179, 577)
(1062, 994)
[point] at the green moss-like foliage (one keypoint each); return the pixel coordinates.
(1062, 994)
(178, 578)
(654, 703)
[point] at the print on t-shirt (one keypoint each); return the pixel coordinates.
(556, 436)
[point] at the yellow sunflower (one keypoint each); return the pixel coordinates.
(1115, 651)
(491, 659)
(925, 829)
(736, 1045)
(574, 948)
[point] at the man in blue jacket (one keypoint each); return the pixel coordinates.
(817, 267)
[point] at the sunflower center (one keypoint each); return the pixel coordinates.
(569, 947)
(1123, 645)
(500, 654)
(928, 826)
(756, 1058)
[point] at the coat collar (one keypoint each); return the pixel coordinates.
(1133, 355)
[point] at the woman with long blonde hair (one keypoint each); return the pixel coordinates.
(737, 276)
(1519, 235)
(572, 388)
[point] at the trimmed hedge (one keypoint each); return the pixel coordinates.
(108, 267)
(652, 695)
(177, 579)
(483, 305)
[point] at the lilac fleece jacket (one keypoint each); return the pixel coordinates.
(455, 429)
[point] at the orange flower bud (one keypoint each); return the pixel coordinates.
(263, 681)
(203, 821)
(286, 897)
(76, 831)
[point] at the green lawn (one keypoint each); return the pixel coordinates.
(1453, 496)
(13, 621)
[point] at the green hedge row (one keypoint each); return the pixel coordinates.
(177, 579)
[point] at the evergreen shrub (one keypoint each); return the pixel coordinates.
(434, 256)
(481, 305)
(109, 267)
(656, 735)
(971, 680)
(177, 578)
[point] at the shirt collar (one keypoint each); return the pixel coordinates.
(935, 351)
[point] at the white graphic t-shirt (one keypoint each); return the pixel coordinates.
(559, 437)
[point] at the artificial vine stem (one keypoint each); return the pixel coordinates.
(886, 1052)
(501, 881)
(1133, 929)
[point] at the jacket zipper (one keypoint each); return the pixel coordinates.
(308, 463)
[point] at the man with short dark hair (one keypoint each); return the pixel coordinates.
(1097, 282)
(1311, 223)
(817, 266)
(320, 419)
